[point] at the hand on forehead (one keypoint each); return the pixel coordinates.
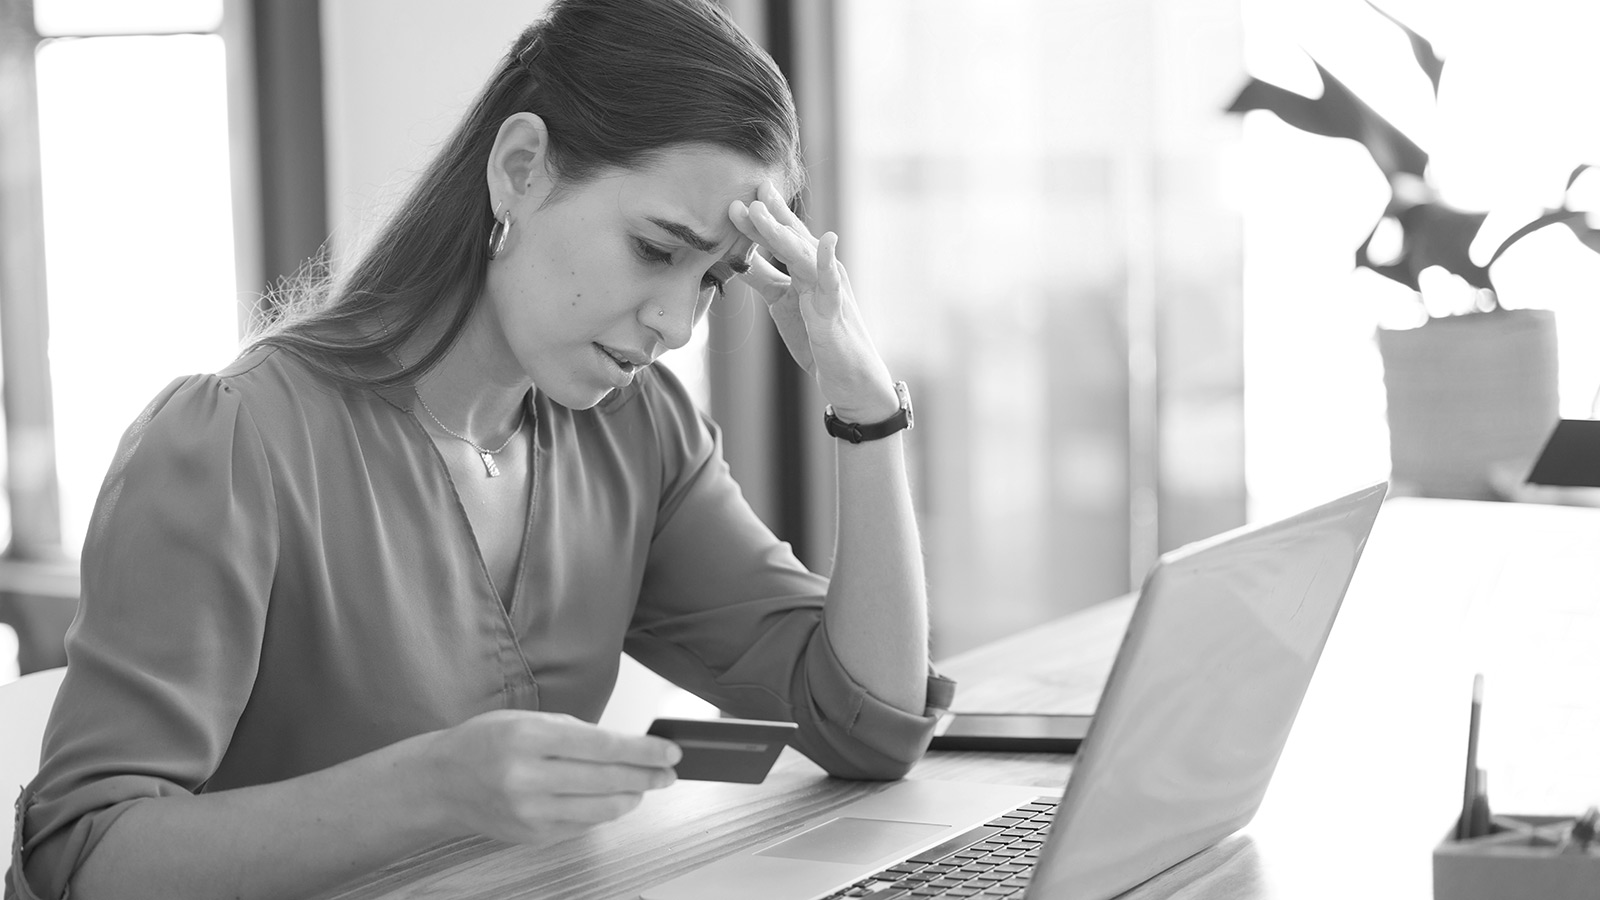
(688, 193)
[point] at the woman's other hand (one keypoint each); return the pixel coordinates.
(815, 309)
(530, 777)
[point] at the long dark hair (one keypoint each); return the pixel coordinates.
(616, 82)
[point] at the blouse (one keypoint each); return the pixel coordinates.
(279, 576)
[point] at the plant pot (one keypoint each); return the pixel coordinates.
(1468, 394)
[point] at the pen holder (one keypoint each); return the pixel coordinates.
(1522, 856)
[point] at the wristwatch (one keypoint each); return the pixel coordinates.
(856, 433)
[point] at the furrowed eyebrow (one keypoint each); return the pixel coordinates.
(684, 233)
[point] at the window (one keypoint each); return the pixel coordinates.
(121, 269)
(138, 221)
(1033, 212)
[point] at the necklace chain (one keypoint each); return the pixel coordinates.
(521, 420)
(484, 453)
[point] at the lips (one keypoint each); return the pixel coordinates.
(625, 360)
(620, 365)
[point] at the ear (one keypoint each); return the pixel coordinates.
(519, 168)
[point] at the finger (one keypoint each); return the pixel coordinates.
(768, 194)
(560, 777)
(844, 278)
(575, 739)
(785, 310)
(792, 328)
(773, 286)
(762, 276)
(796, 252)
(742, 215)
(765, 277)
(586, 810)
(739, 214)
(830, 280)
(777, 238)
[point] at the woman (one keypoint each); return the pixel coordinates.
(366, 588)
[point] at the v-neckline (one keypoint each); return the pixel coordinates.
(507, 604)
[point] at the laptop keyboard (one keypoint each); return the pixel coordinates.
(995, 859)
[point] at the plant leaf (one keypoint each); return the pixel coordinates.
(1432, 234)
(1421, 49)
(1573, 178)
(1550, 217)
(1337, 113)
(1440, 235)
(1303, 113)
(1590, 237)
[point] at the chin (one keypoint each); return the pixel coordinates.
(591, 403)
(579, 398)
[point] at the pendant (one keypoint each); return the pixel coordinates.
(489, 467)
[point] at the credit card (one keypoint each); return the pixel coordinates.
(1571, 455)
(737, 750)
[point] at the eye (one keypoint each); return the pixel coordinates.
(650, 252)
(718, 276)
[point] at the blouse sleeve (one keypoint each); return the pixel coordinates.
(727, 612)
(177, 569)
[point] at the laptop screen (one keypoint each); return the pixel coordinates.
(1201, 698)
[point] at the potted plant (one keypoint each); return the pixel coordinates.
(1467, 392)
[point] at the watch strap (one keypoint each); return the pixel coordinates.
(856, 433)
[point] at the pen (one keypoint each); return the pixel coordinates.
(1469, 796)
(1478, 821)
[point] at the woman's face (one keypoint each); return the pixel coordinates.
(611, 273)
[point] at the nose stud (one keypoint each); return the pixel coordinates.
(660, 311)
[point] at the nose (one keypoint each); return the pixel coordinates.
(673, 317)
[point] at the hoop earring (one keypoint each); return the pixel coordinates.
(497, 234)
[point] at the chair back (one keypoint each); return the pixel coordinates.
(24, 709)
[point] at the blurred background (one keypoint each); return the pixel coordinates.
(1129, 319)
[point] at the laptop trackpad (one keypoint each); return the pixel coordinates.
(849, 840)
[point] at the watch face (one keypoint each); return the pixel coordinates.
(904, 393)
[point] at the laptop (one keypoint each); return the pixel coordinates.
(1208, 680)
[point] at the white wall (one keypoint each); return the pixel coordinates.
(398, 75)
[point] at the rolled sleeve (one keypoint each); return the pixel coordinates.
(16, 886)
(52, 856)
(177, 570)
(727, 612)
(883, 741)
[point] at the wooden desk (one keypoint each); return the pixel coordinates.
(1369, 782)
